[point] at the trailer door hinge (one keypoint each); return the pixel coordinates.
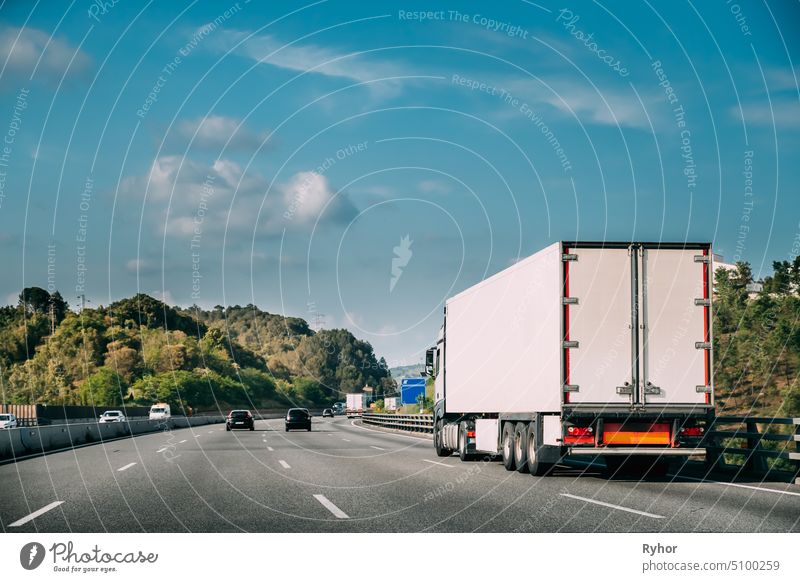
(569, 300)
(706, 389)
(702, 302)
(571, 388)
(702, 345)
(571, 344)
(702, 258)
(569, 257)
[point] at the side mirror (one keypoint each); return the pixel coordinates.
(429, 356)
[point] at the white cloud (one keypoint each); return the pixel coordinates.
(310, 58)
(163, 295)
(433, 187)
(780, 79)
(306, 195)
(780, 113)
(599, 105)
(227, 197)
(218, 131)
(27, 49)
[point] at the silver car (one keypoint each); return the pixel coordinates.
(112, 416)
(8, 421)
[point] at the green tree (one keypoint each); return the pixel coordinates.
(104, 388)
(35, 300)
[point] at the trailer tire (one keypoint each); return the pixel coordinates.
(535, 466)
(508, 446)
(462, 442)
(438, 443)
(521, 446)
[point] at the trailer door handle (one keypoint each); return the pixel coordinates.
(650, 389)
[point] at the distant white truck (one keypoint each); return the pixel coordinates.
(160, 411)
(584, 348)
(356, 404)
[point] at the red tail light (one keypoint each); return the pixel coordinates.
(471, 434)
(579, 435)
(692, 431)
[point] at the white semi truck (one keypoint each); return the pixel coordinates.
(356, 404)
(584, 348)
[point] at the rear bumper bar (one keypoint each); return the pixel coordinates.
(627, 451)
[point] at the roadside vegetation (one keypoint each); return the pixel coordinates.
(140, 350)
(757, 341)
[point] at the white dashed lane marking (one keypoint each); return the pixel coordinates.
(35, 514)
(327, 504)
(612, 506)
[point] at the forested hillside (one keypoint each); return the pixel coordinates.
(757, 341)
(140, 350)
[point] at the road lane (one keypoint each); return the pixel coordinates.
(271, 480)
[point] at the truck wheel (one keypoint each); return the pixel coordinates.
(438, 443)
(462, 442)
(508, 446)
(521, 447)
(535, 467)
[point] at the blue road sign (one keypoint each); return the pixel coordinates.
(410, 388)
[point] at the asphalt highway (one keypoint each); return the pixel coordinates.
(344, 477)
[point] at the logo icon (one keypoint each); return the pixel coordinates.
(31, 555)
(402, 255)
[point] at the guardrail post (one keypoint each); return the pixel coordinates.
(755, 462)
(714, 459)
(797, 448)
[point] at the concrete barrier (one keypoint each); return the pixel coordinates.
(179, 422)
(18, 442)
(6, 447)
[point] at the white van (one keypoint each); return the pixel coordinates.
(160, 411)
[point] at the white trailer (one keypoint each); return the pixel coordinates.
(356, 404)
(584, 348)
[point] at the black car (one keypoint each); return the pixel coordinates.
(240, 419)
(327, 413)
(298, 418)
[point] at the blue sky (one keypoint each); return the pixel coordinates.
(235, 153)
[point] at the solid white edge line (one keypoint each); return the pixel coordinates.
(284, 464)
(35, 514)
(724, 484)
(438, 463)
(612, 506)
(128, 466)
(327, 504)
(379, 448)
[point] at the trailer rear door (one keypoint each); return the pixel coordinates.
(675, 323)
(600, 321)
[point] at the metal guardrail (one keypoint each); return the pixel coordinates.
(410, 422)
(753, 450)
(747, 428)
